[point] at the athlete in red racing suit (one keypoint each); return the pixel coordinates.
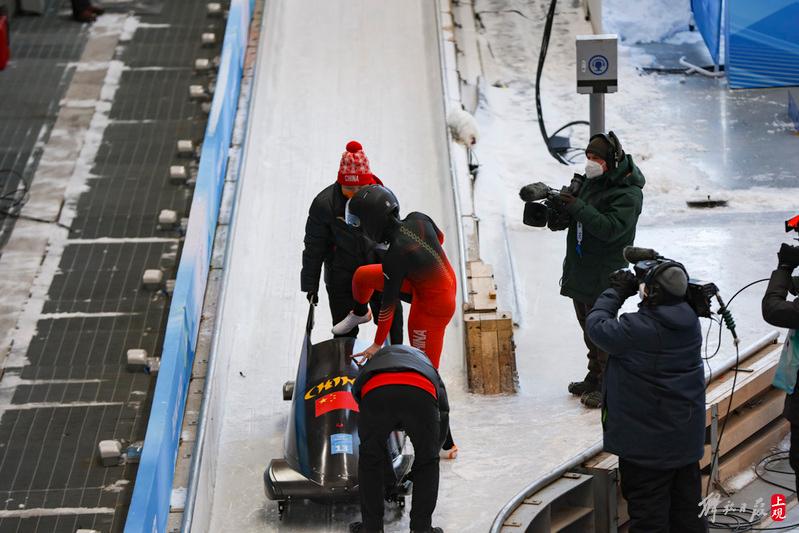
(415, 264)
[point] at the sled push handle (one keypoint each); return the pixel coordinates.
(310, 322)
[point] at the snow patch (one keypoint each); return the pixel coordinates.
(178, 498)
(645, 21)
(118, 486)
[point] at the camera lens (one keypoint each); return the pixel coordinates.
(535, 214)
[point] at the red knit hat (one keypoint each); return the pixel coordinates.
(354, 170)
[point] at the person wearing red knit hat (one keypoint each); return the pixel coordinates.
(329, 241)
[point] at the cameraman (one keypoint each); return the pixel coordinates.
(601, 218)
(778, 311)
(654, 397)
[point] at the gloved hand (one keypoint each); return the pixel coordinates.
(313, 297)
(567, 198)
(624, 282)
(788, 257)
(534, 192)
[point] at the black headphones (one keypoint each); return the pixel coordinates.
(653, 272)
(616, 151)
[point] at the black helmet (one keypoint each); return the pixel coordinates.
(373, 209)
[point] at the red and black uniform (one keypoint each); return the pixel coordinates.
(414, 264)
(398, 388)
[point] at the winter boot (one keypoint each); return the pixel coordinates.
(431, 530)
(590, 383)
(592, 399)
(350, 321)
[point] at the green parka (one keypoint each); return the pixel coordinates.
(608, 207)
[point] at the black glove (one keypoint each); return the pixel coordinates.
(624, 282)
(313, 297)
(788, 257)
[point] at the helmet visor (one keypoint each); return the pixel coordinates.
(351, 218)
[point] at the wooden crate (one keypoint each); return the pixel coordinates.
(490, 353)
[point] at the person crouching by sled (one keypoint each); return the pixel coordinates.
(398, 388)
(415, 266)
(329, 241)
(653, 414)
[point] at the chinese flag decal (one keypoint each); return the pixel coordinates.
(335, 400)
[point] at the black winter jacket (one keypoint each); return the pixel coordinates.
(329, 241)
(779, 312)
(402, 358)
(654, 383)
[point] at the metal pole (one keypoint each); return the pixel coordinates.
(596, 106)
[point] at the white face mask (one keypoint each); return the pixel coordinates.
(593, 169)
(642, 290)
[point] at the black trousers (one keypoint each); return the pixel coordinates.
(663, 501)
(341, 303)
(597, 359)
(383, 410)
(793, 454)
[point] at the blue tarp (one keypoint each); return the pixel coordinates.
(707, 15)
(762, 43)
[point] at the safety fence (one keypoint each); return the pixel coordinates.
(149, 508)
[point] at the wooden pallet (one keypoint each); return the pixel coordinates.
(490, 351)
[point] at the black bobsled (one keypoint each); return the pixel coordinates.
(321, 442)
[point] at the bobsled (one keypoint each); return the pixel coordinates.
(320, 461)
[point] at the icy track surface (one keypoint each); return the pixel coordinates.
(329, 72)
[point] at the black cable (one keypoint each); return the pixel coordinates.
(721, 327)
(18, 201)
(743, 289)
(707, 357)
(715, 455)
(572, 123)
(542, 56)
(767, 461)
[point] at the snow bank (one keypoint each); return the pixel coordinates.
(645, 21)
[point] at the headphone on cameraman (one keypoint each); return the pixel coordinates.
(653, 291)
(616, 151)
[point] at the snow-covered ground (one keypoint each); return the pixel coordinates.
(329, 73)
